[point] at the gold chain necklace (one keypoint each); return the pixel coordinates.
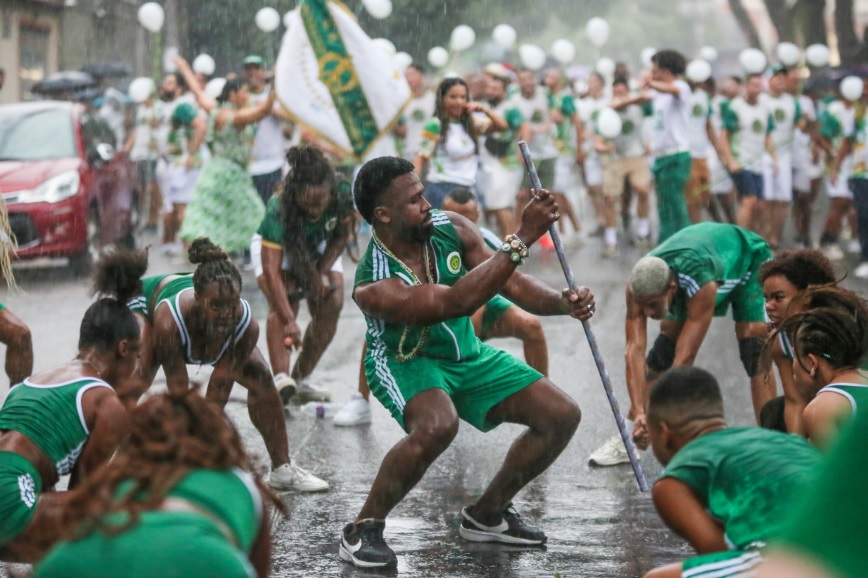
(400, 357)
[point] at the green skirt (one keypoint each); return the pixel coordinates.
(225, 207)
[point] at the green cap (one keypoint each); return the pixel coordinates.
(254, 60)
(184, 113)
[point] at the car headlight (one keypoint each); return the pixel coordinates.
(55, 189)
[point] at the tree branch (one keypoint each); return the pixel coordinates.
(745, 23)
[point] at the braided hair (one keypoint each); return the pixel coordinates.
(171, 435)
(213, 265)
(118, 279)
(466, 119)
(834, 326)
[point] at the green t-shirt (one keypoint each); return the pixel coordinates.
(708, 252)
(828, 523)
(453, 339)
(748, 479)
(312, 233)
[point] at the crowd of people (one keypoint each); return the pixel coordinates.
(161, 481)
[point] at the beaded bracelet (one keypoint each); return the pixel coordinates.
(516, 249)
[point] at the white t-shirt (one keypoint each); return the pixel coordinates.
(417, 113)
(269, 147)
(535, 110)
(786, 111)
(747, 126)
(671, 114)
(145, 135)
(700, 112)
(589, 108)
(630, 144)
(455, 161)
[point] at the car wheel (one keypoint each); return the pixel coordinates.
(82, 262)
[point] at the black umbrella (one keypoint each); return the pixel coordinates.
(64, 82)
(108, 69)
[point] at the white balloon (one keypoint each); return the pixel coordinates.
(141, 88)
(505, 35)
(438, 57)
(152, 16)
(169, 55)
(598, 31)
(817, 55)
(647, 55)
(267, 19)
(403, 60)
(609, 123)
(605, 66)
(564, 51)
(204, 64)
(708, 53)
(532, 56)
(385, 45)
(788, 53)
(752, 60)
(851, 88)
(379, 9)
(698, 70)
(287, 18)
(463, 37)
(215, 87)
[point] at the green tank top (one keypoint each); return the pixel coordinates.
(708, 252)
(748, 479)
(51, 417)
(230, 496)
(856, 393)
(170, 293)
(452, 339)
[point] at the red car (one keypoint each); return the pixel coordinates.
(68, 193)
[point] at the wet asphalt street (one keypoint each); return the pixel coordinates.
(598, 524)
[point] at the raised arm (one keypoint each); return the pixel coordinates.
(247, 116)
(206, 102)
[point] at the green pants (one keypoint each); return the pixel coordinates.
(20, 485)
(670, 177)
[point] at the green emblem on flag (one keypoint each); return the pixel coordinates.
(337, 72)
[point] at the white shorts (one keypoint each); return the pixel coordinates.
(721, 183)
(178, 186)
(841, 189)
(256, 257)
(593, 171)
(778, 186)
(501, 184)
(566, 174)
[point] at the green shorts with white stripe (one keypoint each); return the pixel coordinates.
(732, 564)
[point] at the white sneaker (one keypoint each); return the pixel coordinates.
(861, 271)
(610, 453)
(357, 411)
(854, 247)
(289, 477)
(286, 387)
(308, 391)
(833, 252)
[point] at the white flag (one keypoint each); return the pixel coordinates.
(334, 80)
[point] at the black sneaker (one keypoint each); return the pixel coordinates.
(363, 545)
(511, 529)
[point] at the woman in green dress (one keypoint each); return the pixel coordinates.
(225, 205)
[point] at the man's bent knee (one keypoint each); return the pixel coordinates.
(662, 354)
(433, 438)
(750, 349)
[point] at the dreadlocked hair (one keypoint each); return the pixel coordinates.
(309, 168)
(171, 435)
(213, 265)
(834, 326)
(466, 119)
(119, 274)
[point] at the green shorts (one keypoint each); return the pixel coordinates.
(475, 385)
(161, 544)
(545, 170)
(721, 564)
(495, 307)
(20, 485)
